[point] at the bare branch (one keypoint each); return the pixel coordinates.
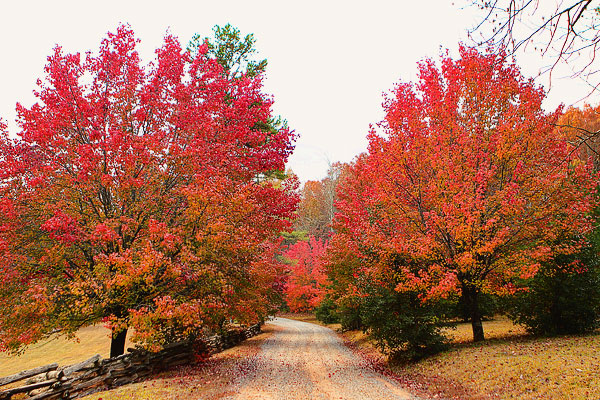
(562, 32)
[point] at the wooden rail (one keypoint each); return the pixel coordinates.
(95, 374)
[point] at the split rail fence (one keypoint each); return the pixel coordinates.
(51, 382)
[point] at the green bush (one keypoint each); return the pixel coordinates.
(564, 296)
(559, 301)
(348, 312)
(401, 325)
(326, 312)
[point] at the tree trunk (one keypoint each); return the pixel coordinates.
(470, 295)
(117, 343)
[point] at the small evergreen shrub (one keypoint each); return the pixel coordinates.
(401, 325)
(326, 312)
(349, 315)
(559, 301)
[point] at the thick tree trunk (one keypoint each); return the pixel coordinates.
(117, 343)
(470, 295)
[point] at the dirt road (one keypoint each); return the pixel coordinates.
(307, 361)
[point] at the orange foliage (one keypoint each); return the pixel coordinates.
(469, 188)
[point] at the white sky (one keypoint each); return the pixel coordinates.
(329, 61)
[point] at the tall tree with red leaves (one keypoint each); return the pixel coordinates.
(468, 187)
(131, 196)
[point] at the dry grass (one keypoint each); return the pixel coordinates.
(511, 365)
(92, 340)
(208, 381)
(499, 328)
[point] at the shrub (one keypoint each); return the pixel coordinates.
(348, 311)
(559, 302)
(401, 325)
(564, 296)
(326, 311)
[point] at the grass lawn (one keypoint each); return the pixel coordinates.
(509, 365)
(92, 340)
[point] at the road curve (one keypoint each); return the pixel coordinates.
(306, 361)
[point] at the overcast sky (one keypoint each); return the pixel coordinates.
(329, 61)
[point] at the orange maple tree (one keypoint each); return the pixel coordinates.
(468, 187)
(131, 196)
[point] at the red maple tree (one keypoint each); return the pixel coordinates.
(307, 281)
(468, 187)
(136, 195)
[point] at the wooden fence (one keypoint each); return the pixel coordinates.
(96, 374)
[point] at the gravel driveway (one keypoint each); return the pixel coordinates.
(306, 361)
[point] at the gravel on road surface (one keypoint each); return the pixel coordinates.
(307, 361)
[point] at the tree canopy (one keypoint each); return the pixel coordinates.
(468, 187)
(130, 197)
